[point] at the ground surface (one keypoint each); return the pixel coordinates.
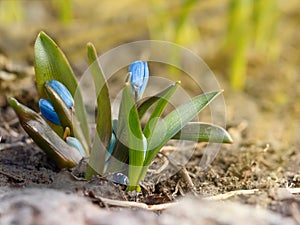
(248, 172)
(256, 180)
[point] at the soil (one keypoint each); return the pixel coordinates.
(256, 180)
(248, 172)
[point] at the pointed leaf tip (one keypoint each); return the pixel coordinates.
(50, 63)
(42, 34)
(103, 120)
(203, 132)
(176, 120)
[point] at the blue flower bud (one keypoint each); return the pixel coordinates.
(139, 77)
(62, 91)
(74, 142)
(48, 111)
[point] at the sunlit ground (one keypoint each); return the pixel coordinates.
(268, 98)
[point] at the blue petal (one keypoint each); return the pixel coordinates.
(74, 142)
(48, 111)
(139, 76)
(63, 92)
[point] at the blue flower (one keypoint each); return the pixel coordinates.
(48, 111)
(62, 91)
(139, 75)
(46, 107)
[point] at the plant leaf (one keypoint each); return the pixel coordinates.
(144, 104)
(130, 122)
(175, 121)
(159, 109)
(104, 122)
(59, 151)
(156, 114)
(51, 63)
(203, 132)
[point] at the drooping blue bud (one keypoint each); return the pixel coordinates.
(62, 91)
(48, 111)
(74, 142)
(139, 75)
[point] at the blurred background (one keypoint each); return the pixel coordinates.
(252, 46)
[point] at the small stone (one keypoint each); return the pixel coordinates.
(119, 178)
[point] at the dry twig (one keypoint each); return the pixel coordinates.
(129, 204)
(110, 202)
(16, 178)
(184, 174)
(245, 192)
(231, 194)
(161, 168)
(294, 190)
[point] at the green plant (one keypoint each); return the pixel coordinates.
(64, 10)
(63, 132)
(15, 10)
(174, 23)
(11, 11)
(251, 25)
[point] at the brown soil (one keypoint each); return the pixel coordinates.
(248, 172)
(256, 180)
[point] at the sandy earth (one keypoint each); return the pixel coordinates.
(256, 180)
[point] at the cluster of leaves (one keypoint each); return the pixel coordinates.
(119, 145)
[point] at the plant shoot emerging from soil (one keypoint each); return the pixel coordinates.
(120, 145)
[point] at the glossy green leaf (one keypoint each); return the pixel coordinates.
(144, 104)
(59, 151)
(203, 132)
(159, 109)
(163, 99)
(104, 122)
(51, 63)
(175, 121)
(130, 122)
